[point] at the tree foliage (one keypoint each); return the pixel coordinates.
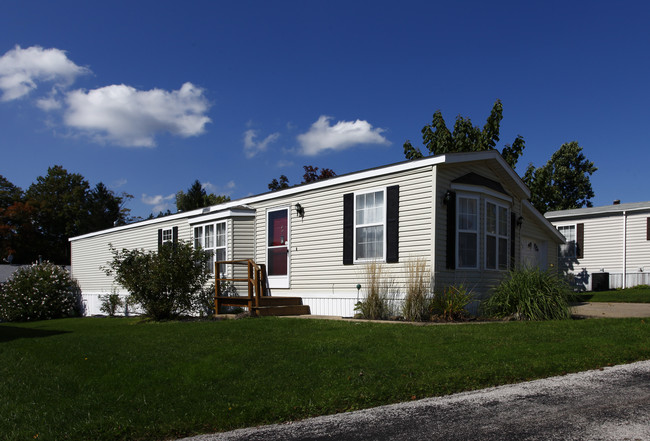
(311, 175)
(280, 184)
(54, 208)
(465, 137)
(166, 283)
(563, 182)
(197, 197)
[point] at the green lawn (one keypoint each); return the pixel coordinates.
(108, 379)
(629, 295)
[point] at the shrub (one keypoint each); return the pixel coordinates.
(417, 302)
(378, 304)
(529, 294)
(39, 292)
(165, 283)
(110, 303)
(450, 304)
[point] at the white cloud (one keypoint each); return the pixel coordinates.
(119, 183)
(49, 103)
(129, 117)
(282, 163)
(21, 70)
(159, 202)
(252, 147)
(215, 189)
(342, 135)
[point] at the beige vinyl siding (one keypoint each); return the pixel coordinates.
(638, 247)
(242, 244)
(602, 247)
(316, 241)
(91, 253)
(478, 280)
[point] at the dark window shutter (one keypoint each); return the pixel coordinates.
(159, 238)
(580, 241)
(647, 232)
(513, 221)
(451, 231)
(348, 229)
(175, 236)
(392, 224)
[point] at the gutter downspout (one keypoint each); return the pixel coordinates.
(624, 249)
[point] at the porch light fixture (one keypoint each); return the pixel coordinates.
(520, 220)
(299, 210)
(447, 198)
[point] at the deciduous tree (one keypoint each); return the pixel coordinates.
(197, 197)
(280, 184)
(465, 137)
(563, 182)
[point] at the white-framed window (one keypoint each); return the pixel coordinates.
(370, 225)
(467, 218)
(167, 235)
(496, 236)
(568, 250)
(212, 238)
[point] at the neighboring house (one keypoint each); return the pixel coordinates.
(607, 247)
(466, 214)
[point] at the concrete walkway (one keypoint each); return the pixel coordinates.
(611, 310)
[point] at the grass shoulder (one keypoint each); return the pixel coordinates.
(637, 294)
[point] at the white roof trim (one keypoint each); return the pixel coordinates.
(542, 219)
(221, 215)
(481, 189)
(450, 158)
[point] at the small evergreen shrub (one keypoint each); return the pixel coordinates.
(417, 302)
(39, 292)
(450, 304)
(529, 294)
(110, 303)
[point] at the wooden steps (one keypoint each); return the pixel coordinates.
(257, 293)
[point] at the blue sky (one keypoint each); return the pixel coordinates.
(149, 96)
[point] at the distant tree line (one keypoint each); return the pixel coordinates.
(38, 222)
(311, 175)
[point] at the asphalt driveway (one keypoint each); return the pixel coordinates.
(608, 404)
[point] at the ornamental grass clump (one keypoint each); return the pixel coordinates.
(417, 301)
(451, 303)
(529, 294)
(378, 304)
(39, 292)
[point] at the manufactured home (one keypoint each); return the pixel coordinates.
(467, 215)
(606, 247)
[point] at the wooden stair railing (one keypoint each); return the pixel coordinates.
(257, 299)
(256, 285)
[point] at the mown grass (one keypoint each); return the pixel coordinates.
(124, 379)
(629, 295)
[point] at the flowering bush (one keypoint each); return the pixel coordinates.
(39, 292)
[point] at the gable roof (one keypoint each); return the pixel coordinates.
(429, 161)
(597, 211)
